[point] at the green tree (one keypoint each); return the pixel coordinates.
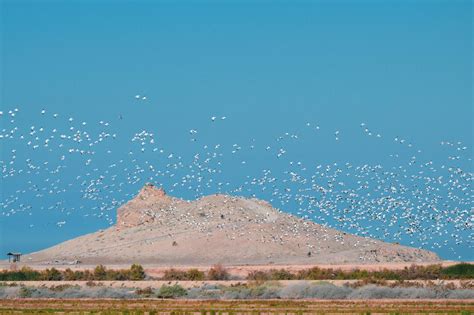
(137, 272)
(100, 273)
(52, 275)
(69, 275)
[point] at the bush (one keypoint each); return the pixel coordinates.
(364, 282)
(51, 275)
(459, 271)
(69, 275)
(92, 284)
(258, 276)
(174, 275)
(316, 273)
(24, 274)
(195, 275)
(272, 274)
(218, 272)
(281, 274)
(61, 287)
(137, 272)
(25, 292)
(100, 273)
(146, 292)
(466, 285)
(181, 275)
(171, 292)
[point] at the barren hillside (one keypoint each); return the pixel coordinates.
(155, 228)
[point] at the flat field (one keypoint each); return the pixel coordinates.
(234, 307)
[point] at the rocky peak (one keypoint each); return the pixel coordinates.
(150, 191)
(143, 208)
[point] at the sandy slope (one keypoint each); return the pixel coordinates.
(156, 229)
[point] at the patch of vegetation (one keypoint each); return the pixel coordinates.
(136, 272)
(272, 274)
(218, 272)
(414, 272)
(25, 292)
(146, 292)
(270, 290)
(172, 291)
(61, 287)
(181, 275)
(459, 271)
(24, 274)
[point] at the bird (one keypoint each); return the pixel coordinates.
(410, 197)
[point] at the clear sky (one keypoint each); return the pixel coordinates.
(402, 67)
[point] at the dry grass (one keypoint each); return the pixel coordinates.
(462, 284)
(253, 307)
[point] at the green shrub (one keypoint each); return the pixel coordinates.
(316, 273)
(195, 275)
(100, 273)
(174, 275)
(25, 292)
(69, 275)
(281, 274)
(180, 275)
(459, 271)
(137, 272)
(24, 274)
(172, 291)
(51, 275)
(414, 272)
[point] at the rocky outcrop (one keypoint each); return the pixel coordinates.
(144, 208)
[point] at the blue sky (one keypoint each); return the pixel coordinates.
(402, 67)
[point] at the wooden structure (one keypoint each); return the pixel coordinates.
(14, 257)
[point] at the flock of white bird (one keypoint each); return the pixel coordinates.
(70, 170)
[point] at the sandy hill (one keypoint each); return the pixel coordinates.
(155, 228)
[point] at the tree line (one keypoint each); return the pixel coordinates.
(414, 272)
(99, 273)
(218, 272)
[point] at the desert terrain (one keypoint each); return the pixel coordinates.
(158, 230)
(241, 237)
